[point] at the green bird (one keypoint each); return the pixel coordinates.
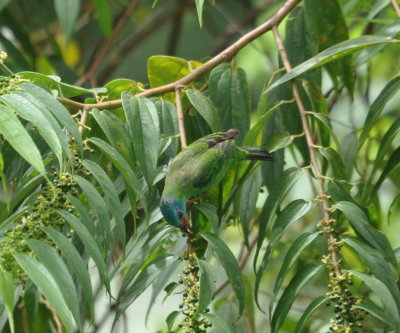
(198, 168)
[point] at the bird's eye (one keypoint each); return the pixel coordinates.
(180, 214)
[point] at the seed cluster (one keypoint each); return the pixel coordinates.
(42, 213)
(194, 322)
(9, 83)
(348, 318)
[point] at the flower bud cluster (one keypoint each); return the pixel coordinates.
(42, 213)
(194, 321)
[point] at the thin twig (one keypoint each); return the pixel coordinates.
(91, 73)
(57, 320)
(179, 111)
(83, 119)
(323, 201)
(396, 7)
(223, 56)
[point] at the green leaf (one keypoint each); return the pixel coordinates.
(28, 111)
(377, 312)
(279, 142)
(47, 286)
(276, 195)
(171, 319)
(56, 267)
(315, 304)
(132, 182)
(391, 164)
(66, 90)
(207, 285)
(230, 265)
(335, 161)
(162, 70)
(218, 323)
(144, 127)
(205, 108)
(55, 108)
(328, 27)
(67, 13)
(334, 52)
(305, 274)
(384, 295)
(367, 232)
(377, 264)
(99, 206)
(144, 279)
(111, 197)
(7, 294)
(384, 147)
(103, 14)
(19, 139)
(290, 214)
(91, 245)
(229, 93)
(376, 108)
(299, 244)
(76, 263)
(199, 8)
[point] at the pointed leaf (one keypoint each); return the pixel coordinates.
(56, 267)
(334, 52)
(230, 265)
(384, 296)
(19, 139)
(91, 245)
(199, 8)
(315, 304)
(207, 285)
(7, 295)
(111, 197)
(291, 256)
(305, 274)
(377, 312)
(47, 286)
(204, 106)
(76, 263)
(103, 14)
(377, 107)
(367, 232)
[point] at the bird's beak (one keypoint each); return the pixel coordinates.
(186, 225)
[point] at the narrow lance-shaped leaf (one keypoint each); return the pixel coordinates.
(12, 129)
(377, 106)
(111, 196)
(67, 13)
(76, 263)
(218, 323)
(361, 225)
(7, 295)
(230, 265)
(305, 274)
(47, 286)
(315, 304)
(199, 8)
(207, 285)
(299, 244)
(385, 297)
(31, 113)
(330, 54)
(56, 267)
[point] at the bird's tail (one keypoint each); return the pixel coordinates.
(257, 154)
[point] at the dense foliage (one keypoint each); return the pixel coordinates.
(91, 115)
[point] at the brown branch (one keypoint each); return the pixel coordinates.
(223, 56)
(322, 196)
(57, 320)
(179, 110)
(91, 73)
(396, 7)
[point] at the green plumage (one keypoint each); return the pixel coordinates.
(198, 168)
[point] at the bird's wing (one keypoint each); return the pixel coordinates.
(201, 166)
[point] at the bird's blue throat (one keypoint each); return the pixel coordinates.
(173, 209)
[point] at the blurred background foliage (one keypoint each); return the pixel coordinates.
(99, 49)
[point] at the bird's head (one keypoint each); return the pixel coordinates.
(174, 211)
